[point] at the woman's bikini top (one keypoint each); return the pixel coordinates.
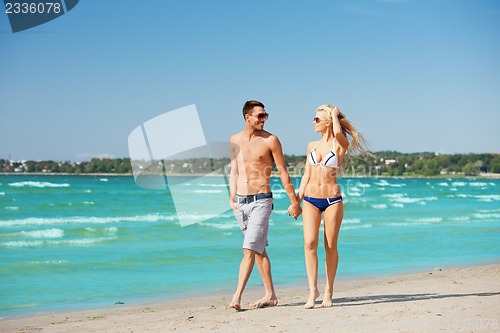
(330, 160)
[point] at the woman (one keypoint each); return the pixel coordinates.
(322, 195)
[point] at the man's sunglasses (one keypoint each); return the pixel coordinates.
(262, 116)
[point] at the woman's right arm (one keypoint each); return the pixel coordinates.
(305, 176)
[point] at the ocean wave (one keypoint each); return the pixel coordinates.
(488, 210)
(351, 221)
(455, 184)
(38, 184)
(443, 184)
(460, 218)
(148, 218)
(208, 191)
(47, 233)
(395, 195)
(478, 184)
(379, 206)
(223, 226)
(413, 200)
(398, 205)
(406, 224)
(33, 243)
(426, 220)
(480, 197)
(354, 227)
(212, 185)
(2, 193)
(12, 208)
(487, 197)
(486, 216)
(68, 242)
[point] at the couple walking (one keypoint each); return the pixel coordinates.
(254, 151)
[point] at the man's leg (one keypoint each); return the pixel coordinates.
(246, 267)
(264, 267)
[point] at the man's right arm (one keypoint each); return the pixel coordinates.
(233, 176)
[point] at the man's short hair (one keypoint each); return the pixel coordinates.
(249, 105)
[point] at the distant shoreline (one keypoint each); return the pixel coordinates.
(455, 176)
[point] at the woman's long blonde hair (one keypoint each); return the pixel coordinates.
(358, 145)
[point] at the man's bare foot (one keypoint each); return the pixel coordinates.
(311, 302)
(235, 303)
(327, 299)
(265, 302)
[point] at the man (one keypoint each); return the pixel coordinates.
(254, 151)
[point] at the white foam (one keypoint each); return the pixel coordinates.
(38, 184)
(12, 208)
(354, 227)
(148, 218)
(222, 226)
(398, 205)
(208, 191)
(486, 216)
(443, 184)
(2, 193)
(421, 201)
(111, 230)
(47, 233)
(22, 243)
(380, 206)
(478, 184)
(426, 220)
(352, 220)
(103, 179)
(406, 224)
(394, 195)
(458, 184)
(460, 218)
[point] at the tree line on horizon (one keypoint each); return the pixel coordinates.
(382, 163)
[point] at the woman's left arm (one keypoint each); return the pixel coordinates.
(337, 130)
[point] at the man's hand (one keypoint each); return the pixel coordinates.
(234, 205)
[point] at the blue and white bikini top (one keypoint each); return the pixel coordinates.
(330, 160)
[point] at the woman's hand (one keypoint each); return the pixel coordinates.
(335, 112)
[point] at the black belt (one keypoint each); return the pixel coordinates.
(251, 198)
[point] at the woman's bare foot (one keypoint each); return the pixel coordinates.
(235, 303)
(311, 302)
(327, 299)
(265, 302)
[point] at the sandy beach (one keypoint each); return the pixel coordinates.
(451, 300)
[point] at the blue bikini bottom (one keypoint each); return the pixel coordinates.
(323, 203)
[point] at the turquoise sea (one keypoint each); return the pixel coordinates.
(71, 242)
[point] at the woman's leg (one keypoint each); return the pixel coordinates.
(311, 219)
(332, 220)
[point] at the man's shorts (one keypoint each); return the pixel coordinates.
(253, 218)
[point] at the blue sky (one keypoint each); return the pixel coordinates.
(411, 75)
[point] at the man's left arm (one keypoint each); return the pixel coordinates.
(279, 161)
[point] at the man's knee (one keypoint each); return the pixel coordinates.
(249, 254)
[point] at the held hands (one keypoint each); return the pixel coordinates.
(294, 210)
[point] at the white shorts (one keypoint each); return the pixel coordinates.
(253, 219)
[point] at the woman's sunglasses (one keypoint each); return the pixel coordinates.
(317, 120)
